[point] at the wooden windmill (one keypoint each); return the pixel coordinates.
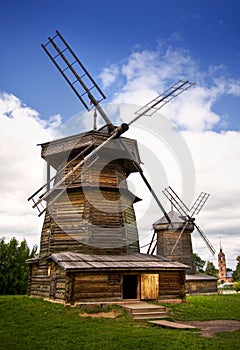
(174, 241)
(71, 219)
(90, 222)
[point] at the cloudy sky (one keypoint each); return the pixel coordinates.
(135, 50)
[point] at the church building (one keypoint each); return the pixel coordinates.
(223, 275)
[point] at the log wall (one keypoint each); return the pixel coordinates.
(172, 284)
(47, 280)
(38, 280)
(97, 287)
(195, 287)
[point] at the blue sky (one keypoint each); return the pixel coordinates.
(106, 32)
(134, 50)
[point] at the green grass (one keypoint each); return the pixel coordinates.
(36, 324)
(205, 308)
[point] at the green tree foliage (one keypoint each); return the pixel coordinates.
(211, 269)
(236, 273)
(237, 286)
(13, 269)
(198, 263)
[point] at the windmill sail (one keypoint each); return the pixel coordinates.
(183, 210)
(76, 75)
(157, 103)
(176, 201)
(199, 203)
(205, 239)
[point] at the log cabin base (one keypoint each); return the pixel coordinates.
(78, 279)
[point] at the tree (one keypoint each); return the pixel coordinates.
(236, 273)
(211, 269)
(13, 267)
(198, 263)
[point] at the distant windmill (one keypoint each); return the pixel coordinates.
(174, 241)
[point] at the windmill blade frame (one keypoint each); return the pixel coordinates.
(205, 239)
(176, 201)
(152, 107)
(184, 211)
(161, 100)
(77, 74)
(199, 203)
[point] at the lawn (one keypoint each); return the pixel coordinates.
(37, 324)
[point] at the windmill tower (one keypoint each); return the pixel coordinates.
(174, 241)
(167, 236)
(90, 222)
(89, 208)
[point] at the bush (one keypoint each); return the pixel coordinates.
(237, 286)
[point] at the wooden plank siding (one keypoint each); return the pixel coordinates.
(78, 226)
(166, 239)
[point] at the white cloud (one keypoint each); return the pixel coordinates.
(216, 157)
(216, 154)
(21, 166)
(147, 73)
(234, 88)
(194, 111)
(109, 75)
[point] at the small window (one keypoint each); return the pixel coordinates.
(114, 279)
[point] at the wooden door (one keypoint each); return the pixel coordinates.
(149, 286)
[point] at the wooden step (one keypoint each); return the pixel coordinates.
(149, 316)
(164, 323)
(144, 311)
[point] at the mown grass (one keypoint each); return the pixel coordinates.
(36, 324)
(205, 308)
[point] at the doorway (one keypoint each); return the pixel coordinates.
(130, 286)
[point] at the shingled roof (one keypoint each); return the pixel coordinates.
(135, 261)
